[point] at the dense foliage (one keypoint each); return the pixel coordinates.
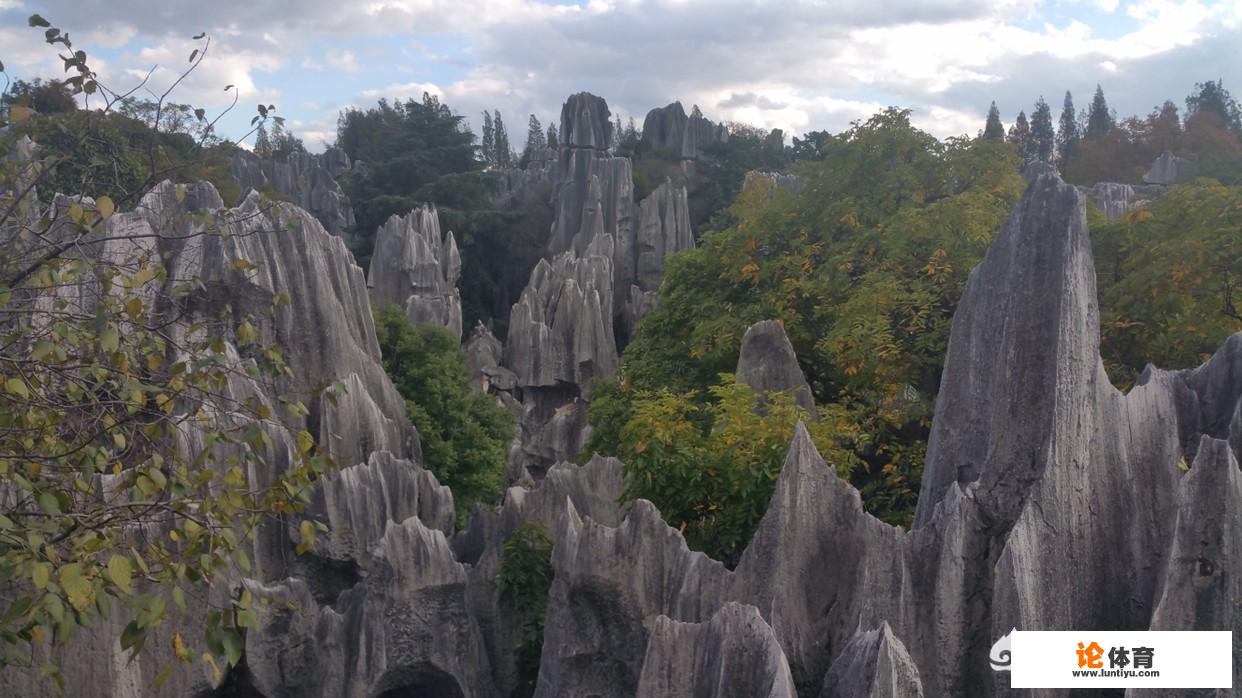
(864, 267)
(711, 465)
(1168, 278)
(465, 435)
(524, 579)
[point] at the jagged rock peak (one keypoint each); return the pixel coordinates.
(874, 664)
(767, 363)
(1115, 200)
(307, 180)
(735, 654)
(669, 129)
(1168, 169)
(560, 330)
(663, 227)
(416, 268)
(586, 122)
(484, 354)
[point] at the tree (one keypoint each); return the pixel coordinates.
(1043, 136)
(44, 96)
(1067, 133)
(994, 129)
(262, 142)
(535, 140)
(124, 453)
(670, 440)
(504, 152)
(1099, 119)
(618, 133)
(1020, 136)
(553, 139)
(863, 264)
(465, 435)
(1212, 97)
(808, 147)
(488, 150)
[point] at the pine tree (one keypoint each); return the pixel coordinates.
(1020, 136)
(534, 135)
(994, 130)
(1213, 97)
(488, 150)
(631, 131)
(262, 142)
(1043, 136)
(553, 137)
(617, 132)
(1099, 119)
(1067, 132)
(504, 152)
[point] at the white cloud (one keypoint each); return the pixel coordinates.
(344, 61)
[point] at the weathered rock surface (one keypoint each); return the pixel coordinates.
(1116, 200)
(1050, 501)
(416, 267)
(874, 664)
(307, 180)
(669, 129)
(767, 363)
(733, 654)
(586, 123)
(1168, 169)
(790, 183)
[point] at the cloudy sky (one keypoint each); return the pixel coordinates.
(798, 65)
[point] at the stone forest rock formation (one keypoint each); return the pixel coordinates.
(1168, 169)
(307, 180)
(1050, 500)
(767, 363)
(668, 129)
(416, 268)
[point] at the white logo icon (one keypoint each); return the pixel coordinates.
(1000, 655)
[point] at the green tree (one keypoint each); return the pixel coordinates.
(524, 580)
(488, 148)
(1067, 132)
(465, 435)
(994, 129)
(535, 140)
(504, 151)
(113, 418)
(1214, 98)
(711, 466)
(1043, 136)
(553, 139)
(863, 266)
(1100, 119)
(1020, 136)
(44, 96)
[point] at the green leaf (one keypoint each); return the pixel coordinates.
(232, 644)
(17, 386)
(120, 572)
(37, 21)
(41, 573)
(178, 597)
(133, 637)
(49, 503)
(110, 340)
(105, 207)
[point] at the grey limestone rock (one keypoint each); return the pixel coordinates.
(586, 123)
(1116, 200)
(1168, 169)
(670, 129)
(767, 363)
(416, 267)
(777, 181)
(733, 654)
(305, 179)
(874, 664)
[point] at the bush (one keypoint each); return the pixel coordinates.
(711, 466)
(524, 580)
(465, 435)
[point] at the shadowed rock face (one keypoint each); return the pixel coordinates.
(669, 129)
(873, 664)
(416, 268)
(1116, 200)
(1168, 169)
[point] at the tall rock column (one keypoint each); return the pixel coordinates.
(416, 268)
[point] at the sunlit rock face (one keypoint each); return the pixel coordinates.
(416, 268)
(1168, 169)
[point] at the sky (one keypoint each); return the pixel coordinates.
(795, 65)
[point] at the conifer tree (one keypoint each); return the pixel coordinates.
(1043, 136)
(1067, 132)
(553, 137)
(504, 152)
(488, 150)
(994, 130)
(617, 132)
(1020, 135)
(262, 142)
(1099, 119)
